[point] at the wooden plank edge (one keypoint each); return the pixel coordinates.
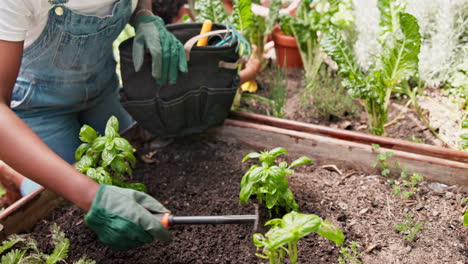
(354, 154)
(396, 144)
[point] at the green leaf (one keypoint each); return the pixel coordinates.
(400, 54)
(252, 155)
(210, 9)
(277, 151)
(10, 242)
(335, 46)
(108, 156)
(112, 127)
(119, 165)
(81, 150)
(465, 123)
(99, 144)
(242, 15)
(13, 257)
(129, 185)
(245, 193)
(271, 200)
(464, 136)
(273, 14)
(389, 16)
(331, 232)
(62, 244)
(465, 218)
(128, 156)
(87, 134)
(122, 144)
(84, 163)
(301, 161)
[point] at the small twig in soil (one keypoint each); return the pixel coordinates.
(389, 211)
(346, 176)
(148, 157)
(370, 248)
(332, 168)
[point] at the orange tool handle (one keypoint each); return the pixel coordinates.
(206, 27)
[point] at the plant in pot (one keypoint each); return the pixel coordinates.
(310, 21)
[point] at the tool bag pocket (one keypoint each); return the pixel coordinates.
(201, 98)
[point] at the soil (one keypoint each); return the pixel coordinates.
(200, 176)
(406, 126)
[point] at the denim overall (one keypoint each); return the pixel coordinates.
(68, 78)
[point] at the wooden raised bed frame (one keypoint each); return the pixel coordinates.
(337, 146)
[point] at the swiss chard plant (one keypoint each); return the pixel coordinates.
(312, 19)
(284, 234)
(268, 181)
(106, 159)
(30, 252)
(393, 67)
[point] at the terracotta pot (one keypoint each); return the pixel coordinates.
(287, 50)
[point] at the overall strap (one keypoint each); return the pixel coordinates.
(57, 2)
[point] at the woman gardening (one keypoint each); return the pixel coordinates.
(58, 73)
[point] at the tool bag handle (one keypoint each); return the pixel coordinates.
(191, 42)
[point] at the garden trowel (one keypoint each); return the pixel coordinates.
(169, 220)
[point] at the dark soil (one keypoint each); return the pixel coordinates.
(200, 176)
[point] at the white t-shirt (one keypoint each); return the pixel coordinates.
(26, 19)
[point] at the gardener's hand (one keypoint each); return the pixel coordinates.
(168, 57)
(123, 218)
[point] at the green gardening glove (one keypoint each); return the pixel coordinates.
(167, 53)
(123, 218)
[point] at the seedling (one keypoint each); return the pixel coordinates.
(268, 181)
(106, 159)
(350, 255)
(30, 252)
(408, 185)
(284, 234)
(409, 228)
(381, 161)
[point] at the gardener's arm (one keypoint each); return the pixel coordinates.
(24, 151)
(121, 218)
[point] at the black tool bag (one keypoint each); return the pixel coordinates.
(201, 98)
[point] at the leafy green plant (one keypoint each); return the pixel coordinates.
(350, 255)
(284, 234)
(309, 20)
(106, 159)
(277, 93)
(408, 185)
(268, 181)
(397, 62)
(409, 228)
(30, 252)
